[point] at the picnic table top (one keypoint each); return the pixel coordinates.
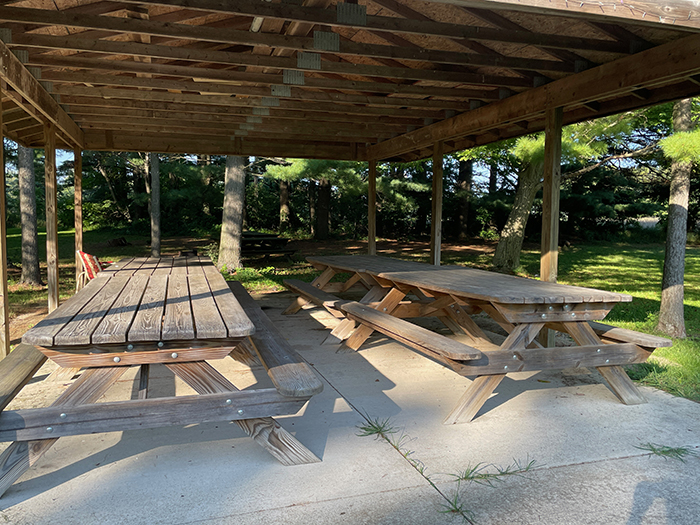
(470, 283)
(147, 300)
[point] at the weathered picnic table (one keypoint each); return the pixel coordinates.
(265, 244)
(178, 312)
(522, 307)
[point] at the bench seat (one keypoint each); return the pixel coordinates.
(415, 336)
(313, 294)
(16, 370)
(623, 335)
(289, 373)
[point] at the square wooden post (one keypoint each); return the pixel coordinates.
(78, 207)
(549, 260)
(436, 221)
(5, 307)
(372, 209)
(51, 214)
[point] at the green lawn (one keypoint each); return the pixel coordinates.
(632, 269)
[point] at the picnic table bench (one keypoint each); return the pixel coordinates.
(398, 290)
(178, 312)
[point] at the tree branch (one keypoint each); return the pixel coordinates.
(628, 155)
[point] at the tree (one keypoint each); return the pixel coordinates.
(153, 177)
(28, 217)
(682, 147)
(232, 219)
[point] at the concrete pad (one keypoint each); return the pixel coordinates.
(581, 438)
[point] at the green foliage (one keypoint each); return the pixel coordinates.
(666, 452)
(682, 146)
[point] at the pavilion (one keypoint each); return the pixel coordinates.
(375, 80)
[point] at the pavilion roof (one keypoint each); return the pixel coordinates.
(382, 79)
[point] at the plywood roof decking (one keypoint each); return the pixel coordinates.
(250, 77)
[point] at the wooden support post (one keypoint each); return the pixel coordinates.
(78, 208)
(51, 214)
(550, 205)
(5, 307)
(372, 209)
(436, 221)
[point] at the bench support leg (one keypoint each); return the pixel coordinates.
(297, 305)
(340, 333)
(473, 399)
(21, 455)
(388, 304)
(616, 377)
(320, 281)
(265, 431)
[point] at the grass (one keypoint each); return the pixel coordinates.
(666, 452)
(628, 268)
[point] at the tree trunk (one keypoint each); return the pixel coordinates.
(232, 219)
(154, 203)
(507, 257)
(324, 210)
(671, 316)
(27, 208)
(464, 190)
(284, 205)
(312, 207)
(493, 179)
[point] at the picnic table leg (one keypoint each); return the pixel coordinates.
(88, 388)
(320, 281)
(388, 304)
(616, 377)
(483, 386)
(265, 431)
(346, 327)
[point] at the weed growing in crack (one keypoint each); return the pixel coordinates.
(454, 503)
(679, 453)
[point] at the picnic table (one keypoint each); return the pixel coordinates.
(266, 244)
(178, 312)
(398, 290)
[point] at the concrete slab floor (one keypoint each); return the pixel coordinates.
(583, 441)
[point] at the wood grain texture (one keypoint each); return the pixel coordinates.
(237, 322)
(387, 305)
(410, 334)
(147, 324)
(266, 432)
(116, 322)
(80, 328)
(177, 320)
(629, 336)
(20, 455)
(16, 370)
(290, 374)
(313, 294)
(33, 424)
(84, 360)
(207, 320)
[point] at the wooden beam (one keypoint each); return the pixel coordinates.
(436, 217)
(654, 67)
(550, 205)
(4, 297)
(51, 214)
(372, 209)
(651, 13)
(348, 49)
(32, 97)
(78, 208)
(326, 17)
(167, 143)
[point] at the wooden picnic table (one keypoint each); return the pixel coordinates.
(397, 290)
(266, 244)
(178, 312)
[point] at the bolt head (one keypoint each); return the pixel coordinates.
(550, 308)
(240, 411)
(228, 401)
(515, 356)
(174, 355)
(117, 359)
(505, 367)
(544, 316)
(63, 416)
(129, 347)
(607, 360)
(573, 314)
(598, 351)
(49, 429)
(160, 344)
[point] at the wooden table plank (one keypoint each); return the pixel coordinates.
(43, 333)
(237, 322)
(165, 266)
(177, 321)
(207, 320)
(78, 331)
(371, 264)
(114, 325)
(147, 323)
